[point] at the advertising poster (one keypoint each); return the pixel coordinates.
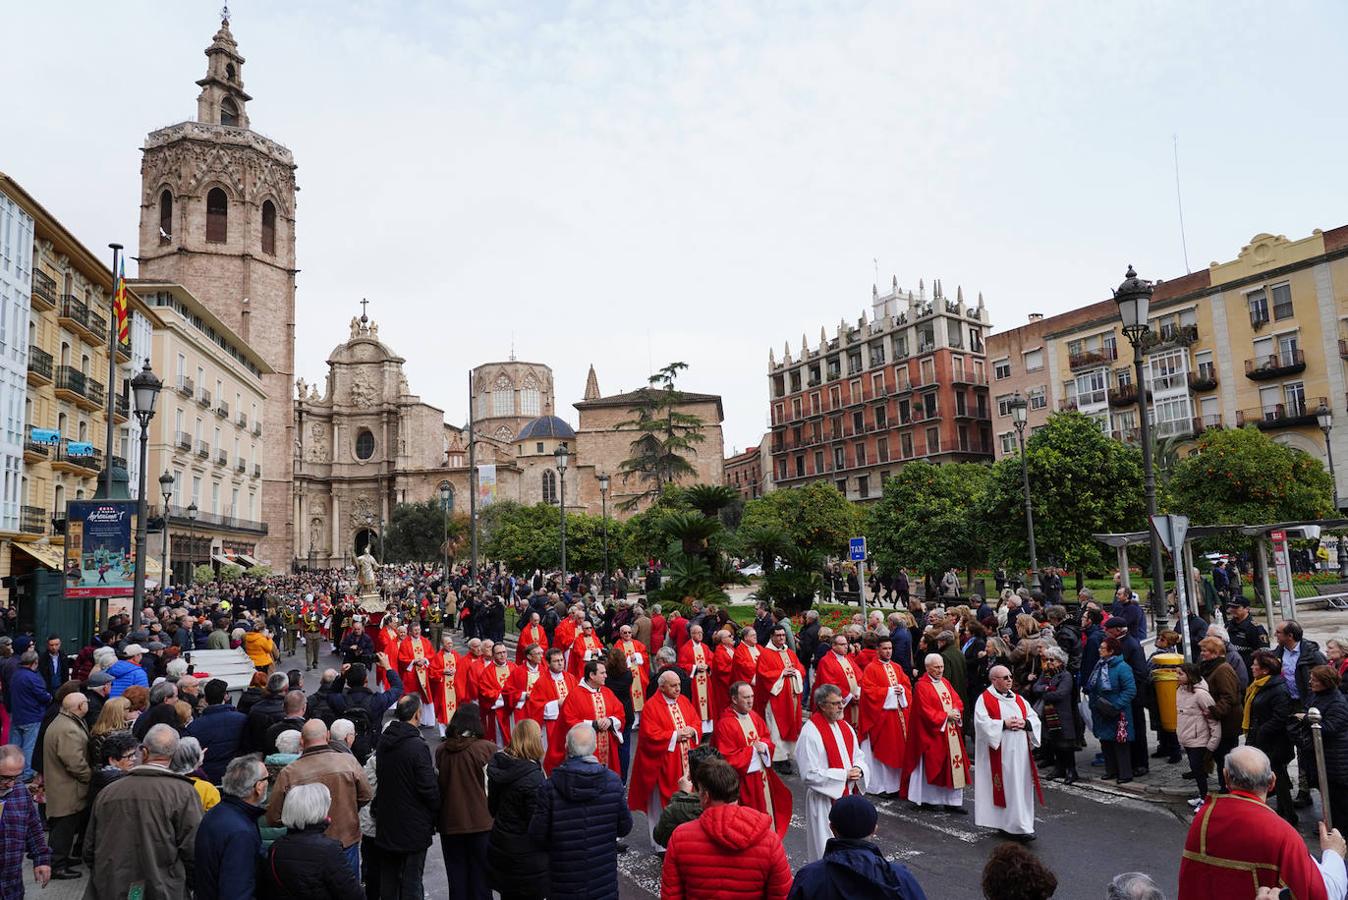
(486, 486)
(99, 561)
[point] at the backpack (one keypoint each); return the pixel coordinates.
(359, 717)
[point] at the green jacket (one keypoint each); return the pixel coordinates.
(682, 808)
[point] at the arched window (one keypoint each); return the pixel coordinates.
(166, 216)
(229, 112)
(269, 228)
(502, 397)
(217, 216)
(549, 486)
(364, 444)
(448, 506)
(529, 397)
(229, 71)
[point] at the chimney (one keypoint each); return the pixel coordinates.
(1036, 317)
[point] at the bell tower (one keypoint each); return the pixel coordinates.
(218, 217)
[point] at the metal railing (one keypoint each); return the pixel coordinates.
(69, 378)
(40, 362)
(44, 288)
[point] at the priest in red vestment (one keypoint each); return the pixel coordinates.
(639, 663)
(741, 736)
(584, 648)
(564, 635)
(414, 663)
(746, 656)
(491, 697)
(386, 641)
(695, 659)
(778, 688)
(523, 681)
(592, 702)
(885, 695)
(722, 670)
(545, 707)
(840, 670)
(531, 634)
(449, 682)
(474, 661)
(935, 758)
(1237, 844)
(669, 729)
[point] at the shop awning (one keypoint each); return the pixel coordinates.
(222, 559)
(47, 554)
(246, 560)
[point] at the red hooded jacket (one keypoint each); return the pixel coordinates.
(727, 853)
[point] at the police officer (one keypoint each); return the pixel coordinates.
(1247, 636)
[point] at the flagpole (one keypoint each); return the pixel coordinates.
(112, 370)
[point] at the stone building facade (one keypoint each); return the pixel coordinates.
(218, 217)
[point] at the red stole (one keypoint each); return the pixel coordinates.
(751, 737)
(831, 751)
(700, 682)
(994, 709)
(677, 716)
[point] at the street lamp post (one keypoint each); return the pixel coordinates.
(1325, 418)
(166, 489)
(191, 542)
(445, 493)
(1019, 413)
(1134, 300)
(145, 391)
(603, 492)
(560, 454)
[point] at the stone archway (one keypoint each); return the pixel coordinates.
(368, 537)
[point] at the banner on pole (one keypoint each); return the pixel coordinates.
(99, 560)
(486, 485)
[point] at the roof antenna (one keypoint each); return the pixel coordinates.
(1179, 203)
(512, 346)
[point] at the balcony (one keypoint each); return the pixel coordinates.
(1125, 395)
(39, 366)
(1343, 349)
(1205, 379)
(98, 329)
(124, 351)
(79, 463)
(185, 387)
(257, 470)
(44, 290)
(94, 398)
(71, 385)
(1128, 435)
(1212, 422)
(204, 398)
(203, 450)
(222, 411)
(242, 419)
(240, 465)
(1169, 338)
(1275, 365)
(221, 458)
(177, 515)
(1090, 359)
(968, 378)
(73, 313)
(33, 520)
(1280, 415)
(182, 440)
(35, 452)
(1067, 404)
(257, 429)
(121, 408)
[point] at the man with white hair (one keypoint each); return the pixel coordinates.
(695, 659)
(669, 730)
(342, 735)
(67, 773)
(1006, 779)
(1133, 886)
(832, 764)
(228, 842)
(1236, 842)
(935, 757)
(143, 828)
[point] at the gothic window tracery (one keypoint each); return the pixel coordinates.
(502, 397)
(549, 486)
(529, 397)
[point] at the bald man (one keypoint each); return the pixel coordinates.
(66, 772)
(1006, 780)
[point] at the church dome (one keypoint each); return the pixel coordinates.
(546, 427)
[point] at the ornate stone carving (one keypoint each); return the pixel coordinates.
(318, 443)
(316, 541)
(362, 390)
(301, 388)
(363, 509)
(504, 434)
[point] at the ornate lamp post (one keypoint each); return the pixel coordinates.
(603, 492)
(1325, 418)
(1019, 413)
(165, 488)
(1134, 300)
(145, 392)
(446, 493)
(191, 542)
(560, 455)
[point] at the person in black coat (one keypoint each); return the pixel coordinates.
(306, 864)
(406, 802)
(620, 683)
(1269, 713)
(1327, 697)
(516, 868)
(265, 713)
(664, 658)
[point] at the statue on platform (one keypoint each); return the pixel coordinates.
(365, 564)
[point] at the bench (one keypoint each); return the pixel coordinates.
(1333, 595)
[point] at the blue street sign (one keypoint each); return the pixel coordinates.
(857, 549)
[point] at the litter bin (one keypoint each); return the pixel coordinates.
(1165, 681)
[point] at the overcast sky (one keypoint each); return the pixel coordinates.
(626, 184)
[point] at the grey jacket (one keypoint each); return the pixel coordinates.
(143, 829)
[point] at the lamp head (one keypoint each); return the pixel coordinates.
(560, 454)
(603, 483)
(192, 511)
(1019, 410)
(1134, 300)
(166, 485)
(1324, 417)
(145, 391)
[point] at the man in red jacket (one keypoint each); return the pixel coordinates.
(728, 852)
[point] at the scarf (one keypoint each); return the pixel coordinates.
(1249, 699)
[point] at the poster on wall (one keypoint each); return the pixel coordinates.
(99, 560)
(486, 486)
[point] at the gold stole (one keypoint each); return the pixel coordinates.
(451, 695)
(790, 683)
(893, 683)
(638, 695)
(677, 715)
(601, 737)
(750, 736)
(502, 676)
(559, 684)
(853, 708)
(703, 701)
(952, 739)
(418, 653)
(588, 644)
(530, 677)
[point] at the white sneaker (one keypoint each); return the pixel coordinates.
(1196, 802)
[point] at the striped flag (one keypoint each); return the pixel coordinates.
(119, 305)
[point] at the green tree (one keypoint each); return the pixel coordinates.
(529, 537)
(665, 436)
(927, 518)
(816, 516)
(697, 555)
(1081, 483)
(417, 533)
(1241, 477)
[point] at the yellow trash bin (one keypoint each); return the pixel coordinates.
(1165, 681)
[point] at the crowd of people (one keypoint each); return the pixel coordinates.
(126, 763)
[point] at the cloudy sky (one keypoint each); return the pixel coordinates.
(626, 184)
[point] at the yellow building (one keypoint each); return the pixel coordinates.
(1259, 340)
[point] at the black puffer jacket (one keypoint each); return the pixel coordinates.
(1333, 707)
(308, 865)
(407, 800)
(515, 866)
(1270, 718)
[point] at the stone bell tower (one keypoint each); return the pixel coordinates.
(218, 217)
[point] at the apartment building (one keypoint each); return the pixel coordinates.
(744, 473)
(1258, 340)
(208, 433)
(907, 382)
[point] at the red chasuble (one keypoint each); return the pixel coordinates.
(782, 694)
(994, 710)
(762, 790)
(449, 684)
(416, 679)
(551, 687)
(694, 655)
(1236, 844)
(585, 704)
(386, 642)
(521, 686)
(655, 766)
(532, 634)
(582, 645)
(564, 635)
(746, 662)
(886, 728)
(938, 744)
(491, 685)
(845, 675)
(722, 676)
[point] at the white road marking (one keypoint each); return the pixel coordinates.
(886, 808)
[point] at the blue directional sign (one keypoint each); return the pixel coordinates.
(856, 549)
